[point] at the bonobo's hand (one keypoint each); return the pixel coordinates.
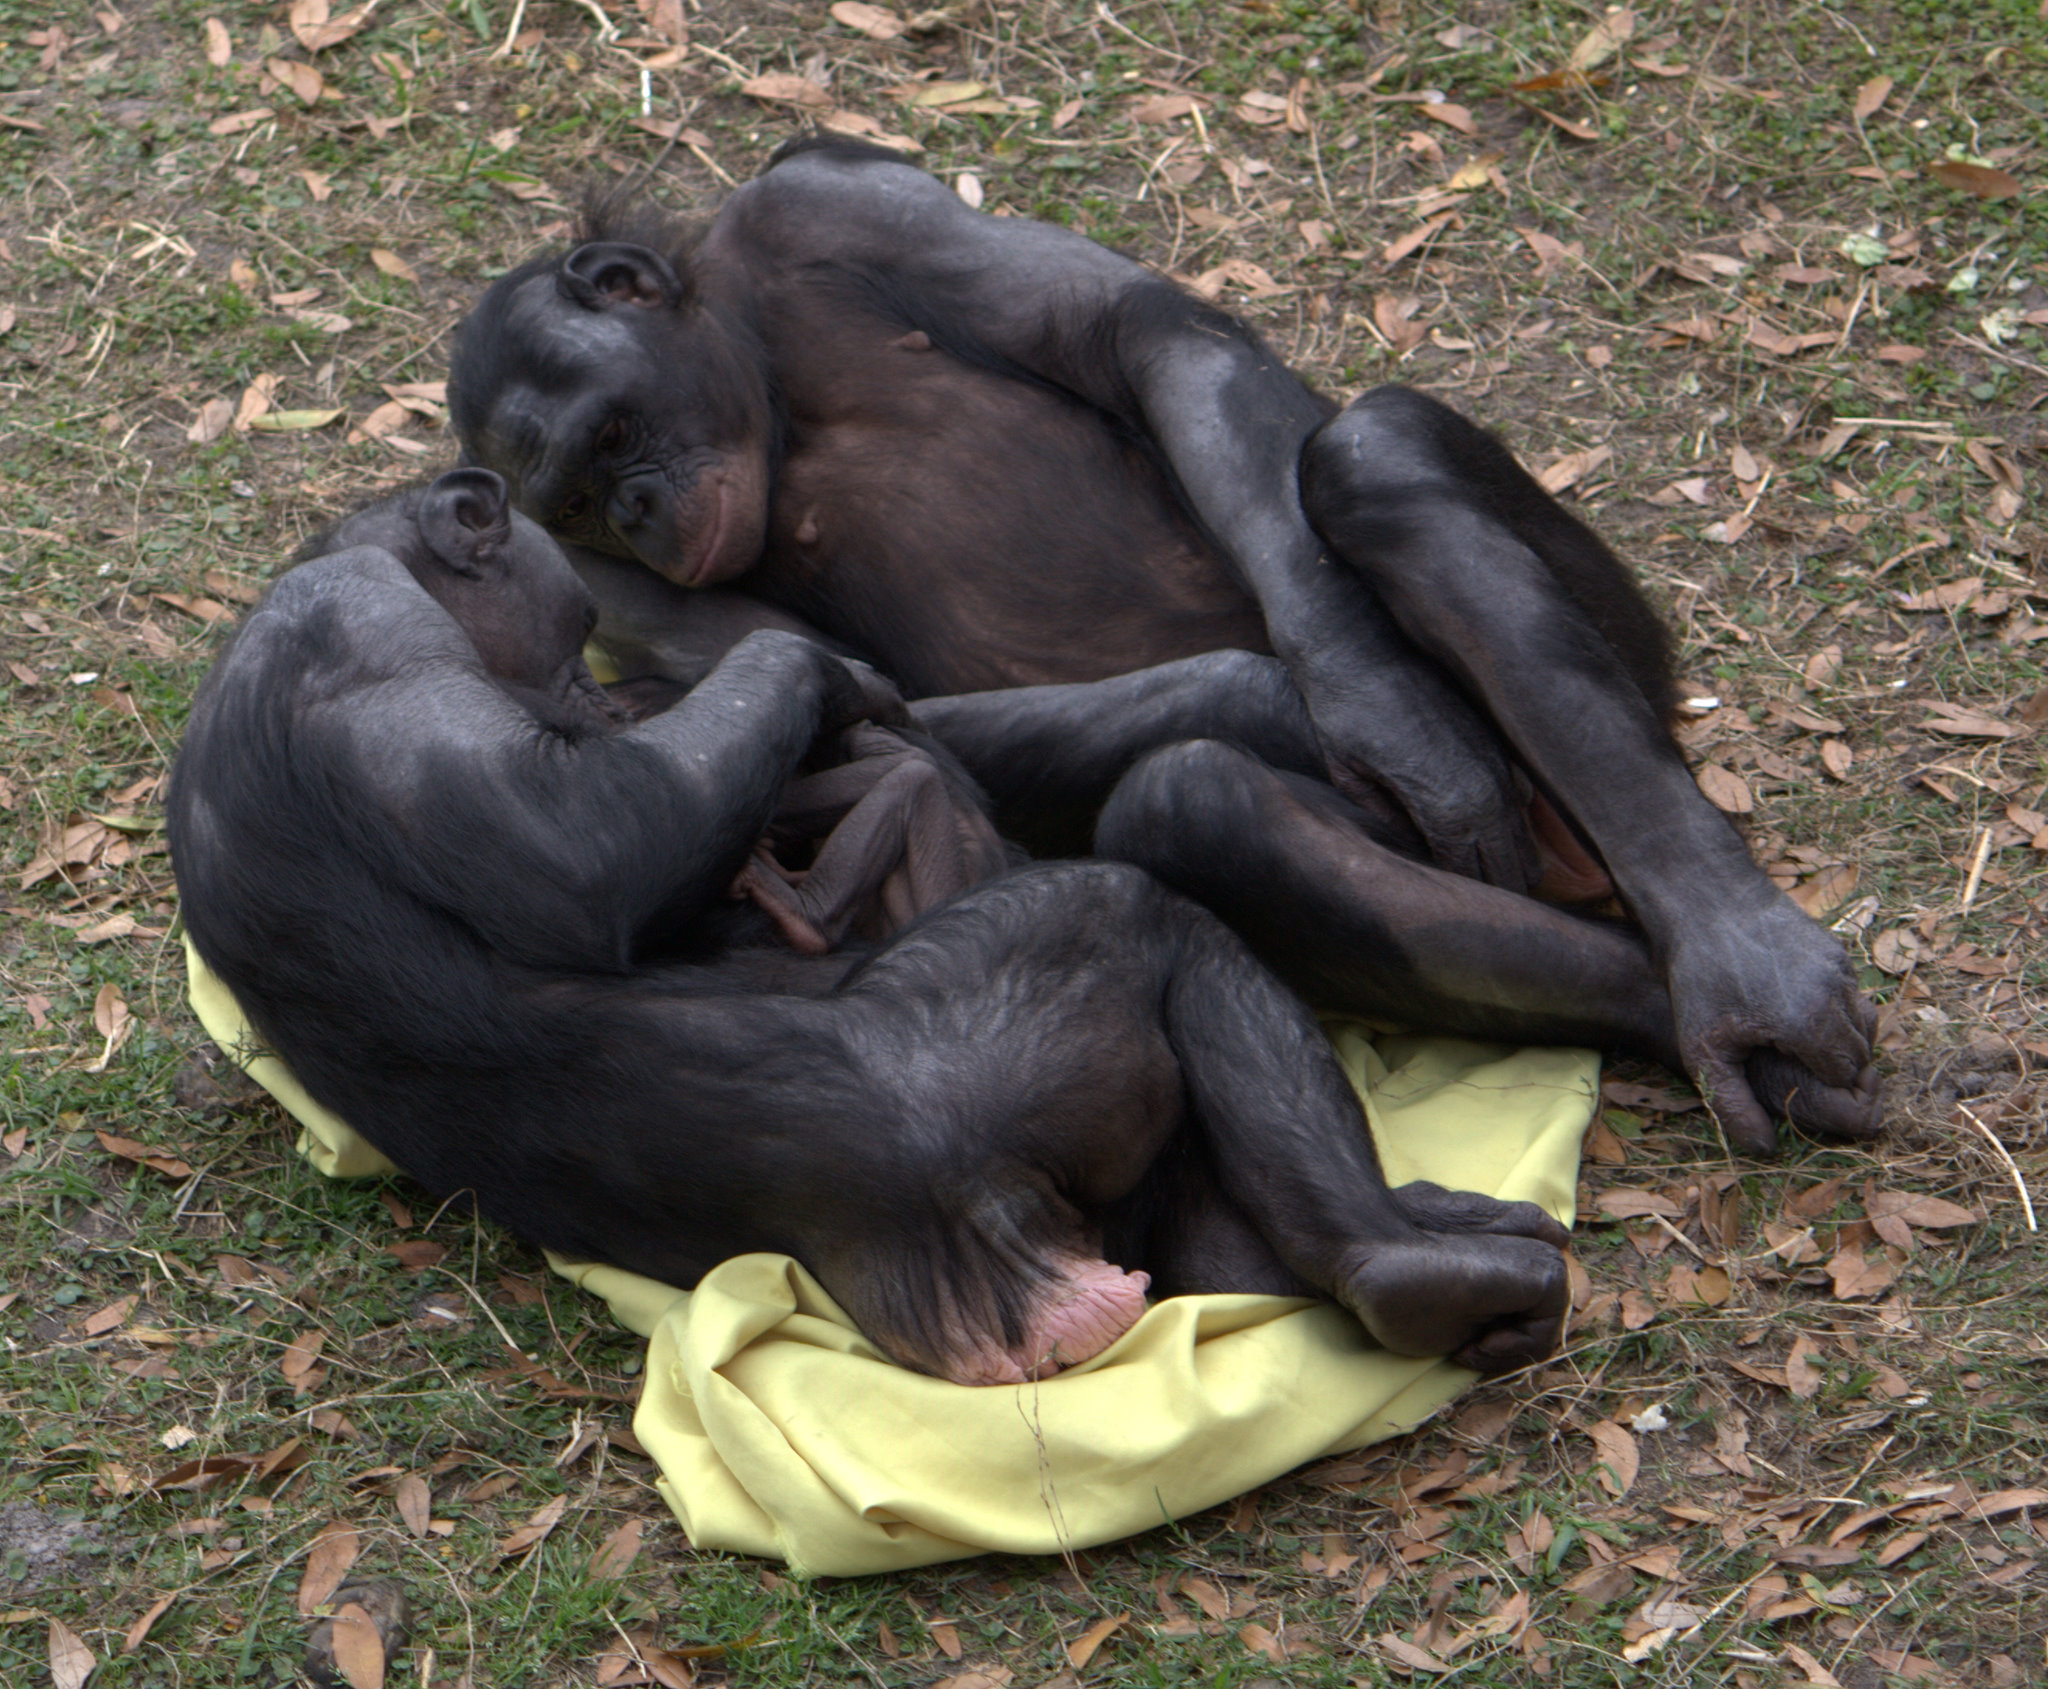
(1480, 1281)
(1441, 762)
(855, 692)
(1771, 1025)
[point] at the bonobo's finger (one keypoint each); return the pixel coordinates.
(1726, 1090)
(1491, 1301)
(1792, 1091)
(870, 696)
(1436, 1209)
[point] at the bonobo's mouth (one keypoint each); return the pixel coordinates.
(712, 525)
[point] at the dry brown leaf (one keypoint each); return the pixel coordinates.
(874, 22)
(415, 1503)
(211, 422)
(1082, 1649)
(1917, 1210)
(1971, 724)
(1637, 1310)
(784, 89)
(1573, 468)
(334, 1550)
(393, 265)
(1815, 1671)
(138, 1632)
(1458, 117)
(1399, 247)
(1618, 1459)
(1603, 40)
(301, 1352)
(219, 49)
(1162, 108)
(1856, 1276)
(1837, 758)
(1206, 1595)
(111, 1019)
(358, 1648)
(616, 1553)
(1620, 1202)
(315, 30)
(418, 1253)
(1409, 1654)
(236, 123)
(1979, 179)
(1725, 789)
(1827, 890)
(71, 1661)
(1571, 126)
(545, 1518)
(1394, 316)
(110, 1318)
(301, 78)
(1870, 96)
(940, 93)
(1802, 1377)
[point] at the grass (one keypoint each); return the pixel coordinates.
(1648, 271)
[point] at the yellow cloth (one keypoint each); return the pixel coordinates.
(780, 1430)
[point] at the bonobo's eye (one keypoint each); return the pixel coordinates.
(612, 436)
(572, 509)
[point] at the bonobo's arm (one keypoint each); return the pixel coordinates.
(1229, 415)
(557, 850)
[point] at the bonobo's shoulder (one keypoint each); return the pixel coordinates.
(343, 607)
(820, 187)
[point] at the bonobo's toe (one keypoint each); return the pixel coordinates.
(1793, 1092)
(1436, 1209)
(1490, 1301)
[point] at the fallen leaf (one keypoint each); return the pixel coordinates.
(1802, 1377)
(255, 401)
(1826, 891)
(1725, 789)
(1405, 1653)
(1855, 1276)
(138, 1632)
(71, 1661)
(1837, 758)
(616, 1553)
(1979, 179)
(1603, 40)
(1815, 1671)
(872, 21)
(1394, 316)
(1082, 1649)
(1637, 1310)
(393, 265)
(415, 1503)
(358, 1647)
(111, 1019)
(1458, 117)
(941, 93)
(219, 49)
(1618, 1459)
(236, 123)
(1571, 126)
(301, 78)
(1206, 1595)
(315, 30)
(1870, 96)
(1620, 1202)
(1973, 724)
(298, 422)
(171, 1166)
(301, 1352)
(334, 1550)
(1162, 108)
(110, 1318)
(968, 186)
(1399, 247)
(1917, 1210)
(545, 1518)
(1572, 468)
(418, 1253)
(784, 89)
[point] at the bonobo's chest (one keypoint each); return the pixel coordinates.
(971, 531)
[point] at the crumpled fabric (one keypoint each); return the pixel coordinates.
(780, 1431)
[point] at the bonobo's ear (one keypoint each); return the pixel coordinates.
(612, 272)
(464, 517)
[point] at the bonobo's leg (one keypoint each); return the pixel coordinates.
(1352, 925)
(897, 836)
(1049, 1107)
(1490, 576)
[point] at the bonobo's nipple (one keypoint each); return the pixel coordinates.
(807, 529)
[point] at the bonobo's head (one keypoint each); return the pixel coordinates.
(503, 580)
(627, 413)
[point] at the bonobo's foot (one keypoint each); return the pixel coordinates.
(1771, 1024)
(1084, 1310)
(777, 892)
(1482, 1282)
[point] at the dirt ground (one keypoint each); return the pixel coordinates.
(1761, 286)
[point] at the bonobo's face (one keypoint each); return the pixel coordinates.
(623, 415)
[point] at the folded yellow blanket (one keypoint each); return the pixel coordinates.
(780, 1430)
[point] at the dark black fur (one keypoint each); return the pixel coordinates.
(441, 906)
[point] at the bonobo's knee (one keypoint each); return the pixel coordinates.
(1176, 803)
(1395, 458)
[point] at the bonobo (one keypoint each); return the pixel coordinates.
(484, 919)
(986, 453)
